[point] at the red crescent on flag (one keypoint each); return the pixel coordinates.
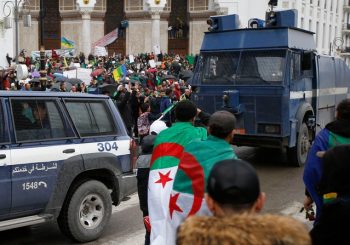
(165, 150)
(195, 172)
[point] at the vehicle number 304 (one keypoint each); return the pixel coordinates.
(106, 146)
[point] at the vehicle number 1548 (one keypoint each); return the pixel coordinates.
(33, 185)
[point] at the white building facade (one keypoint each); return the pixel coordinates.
(172, 26)
(7, 37)
(345, 51)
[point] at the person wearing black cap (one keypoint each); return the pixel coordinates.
(233, 187)
(234, 197)
(333, 225)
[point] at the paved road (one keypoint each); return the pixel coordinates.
(281, 183)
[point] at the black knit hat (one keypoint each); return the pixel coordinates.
(233, 182)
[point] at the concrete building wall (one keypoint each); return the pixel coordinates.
(72, 29)
(164, 36)
(197, 29)
(29, 37)
(138, 36)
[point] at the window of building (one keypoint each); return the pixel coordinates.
(167, 7)
(37, 120)
(318, 3)
(100, 6)
(302, 23)
(317, 32)
(330, 34)
(331, 3)
(91, 118)
(336, 6)
(133, 5)
(310, 25)
(68, 5)
(198, 5)
(285, 4)
(32, 5)
(324, 44)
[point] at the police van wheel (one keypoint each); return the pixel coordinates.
(298, 154)
(86, 212)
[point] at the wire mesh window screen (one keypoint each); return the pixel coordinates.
(261, 67)
(100, 6)
(32, 5)
(198, 5)
(220, 67)
(68, 5)
(133, 5)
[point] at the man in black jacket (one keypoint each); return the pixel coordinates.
(123, 103)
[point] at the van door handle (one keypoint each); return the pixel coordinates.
(69, 151)
(2, 156)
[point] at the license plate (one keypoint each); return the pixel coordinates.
(239, 131)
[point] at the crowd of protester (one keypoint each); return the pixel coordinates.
(148, 85)
(203, 168)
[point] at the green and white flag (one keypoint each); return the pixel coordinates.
(187, 196)
(168, 149)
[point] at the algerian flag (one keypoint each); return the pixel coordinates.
(187, 196)
(168, 149)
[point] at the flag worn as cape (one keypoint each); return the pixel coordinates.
(119, 73)
(66, 44)
(168, 149)
(187, 196)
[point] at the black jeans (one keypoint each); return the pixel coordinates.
(142, 188)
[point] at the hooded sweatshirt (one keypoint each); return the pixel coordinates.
(335, 133)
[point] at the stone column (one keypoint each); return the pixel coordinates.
(155, 16)
(85, 7)
(155, 7)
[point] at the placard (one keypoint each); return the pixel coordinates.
(131, 58)
(152, 63)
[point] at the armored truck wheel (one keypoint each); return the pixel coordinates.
(86, 211)
(297, 155)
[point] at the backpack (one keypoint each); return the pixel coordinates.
(143, 124)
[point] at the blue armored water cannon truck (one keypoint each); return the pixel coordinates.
(271, 77)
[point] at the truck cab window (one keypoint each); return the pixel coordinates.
(220, 68)
(295, 66)
(261, 67)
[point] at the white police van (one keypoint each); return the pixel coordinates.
(63, 156)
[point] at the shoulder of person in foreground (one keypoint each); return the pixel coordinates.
(243, 229)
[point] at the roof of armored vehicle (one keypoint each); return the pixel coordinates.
(259, 38)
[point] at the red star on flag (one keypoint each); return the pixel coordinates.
(164, 178)
(173, 206)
